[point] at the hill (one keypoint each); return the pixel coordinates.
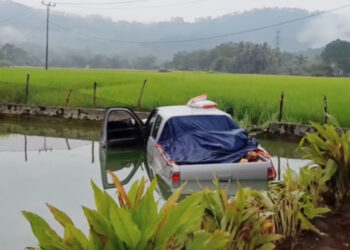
(92, 35)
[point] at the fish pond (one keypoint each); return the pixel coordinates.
(50, 161)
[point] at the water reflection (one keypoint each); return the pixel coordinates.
(124, 162)
(30, 178)
(46, 162)
(284, 154)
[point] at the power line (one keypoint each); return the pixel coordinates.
(15, 17)
(208, 37)
(101, 3)
(33, 30)
(141, 7)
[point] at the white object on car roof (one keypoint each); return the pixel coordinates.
(201, 102)
(183, 110)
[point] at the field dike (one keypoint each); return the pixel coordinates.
(97, 115)
(10, 109)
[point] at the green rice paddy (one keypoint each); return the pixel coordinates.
(254, 98)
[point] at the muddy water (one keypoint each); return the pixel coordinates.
(54, 163)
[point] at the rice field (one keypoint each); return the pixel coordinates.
(253, 98)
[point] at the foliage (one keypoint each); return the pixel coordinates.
(243, 57)
(337, 56)
(204, 220)
(11, 55)
(295, 201)
(132, 223)
(330, 148)
(248, 228)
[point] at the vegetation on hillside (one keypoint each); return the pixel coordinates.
(253, 58)
(243, 57)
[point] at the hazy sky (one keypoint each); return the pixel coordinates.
(159, 10)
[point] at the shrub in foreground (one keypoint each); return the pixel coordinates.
(330, 146)
(294, 202)
(203, 220)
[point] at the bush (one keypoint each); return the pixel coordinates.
(133, 223)
(203, 220)
(295, 201)
(330, 146)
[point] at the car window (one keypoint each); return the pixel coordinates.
(156, 126)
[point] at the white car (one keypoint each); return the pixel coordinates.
(190, 143)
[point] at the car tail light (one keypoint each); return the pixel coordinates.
(175, 177)
(271, 172)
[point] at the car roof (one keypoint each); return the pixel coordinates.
(183, 110)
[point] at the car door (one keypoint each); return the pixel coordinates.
(153, 154)
(154, 126)
(122, 127)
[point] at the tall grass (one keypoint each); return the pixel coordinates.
(256, 96)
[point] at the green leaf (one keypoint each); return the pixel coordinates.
(346, 149)
(95, 242)
(180, 220)
(307, 225)
(124, 227)
(146, 216)
(100, 224)
(75, 238)
(132, 192)
(204, 240)
(103, 200)
(267, 246)
(172, 200)
(47, 237)
(140, 192)
(268, 238)
(240, 197)
(330, 169)
(60, 216)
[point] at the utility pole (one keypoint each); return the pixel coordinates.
(48, 5)
(278, 42)
(278, 39)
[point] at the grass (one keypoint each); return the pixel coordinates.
(251, 97)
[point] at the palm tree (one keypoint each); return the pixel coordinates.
(300, 60)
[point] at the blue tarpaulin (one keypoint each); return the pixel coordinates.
(205, 139)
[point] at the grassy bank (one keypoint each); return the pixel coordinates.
(253, 96)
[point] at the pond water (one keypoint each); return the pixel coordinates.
(50, 162)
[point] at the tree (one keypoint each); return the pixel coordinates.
(17, 56)
(145, 62)
(337, 56)
(300, 60)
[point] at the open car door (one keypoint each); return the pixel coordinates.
(122, 127)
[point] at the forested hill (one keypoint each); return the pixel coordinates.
(25, 27)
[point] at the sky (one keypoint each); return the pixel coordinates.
(148, 11)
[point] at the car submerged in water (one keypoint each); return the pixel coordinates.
(191, 143)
